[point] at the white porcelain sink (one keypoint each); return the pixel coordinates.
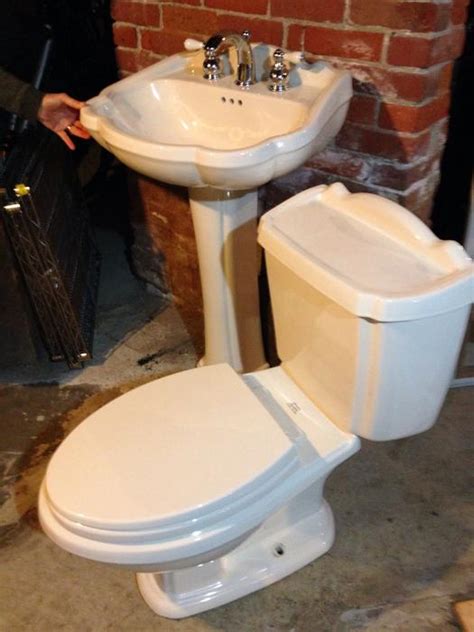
(169, 123)
(222, 142)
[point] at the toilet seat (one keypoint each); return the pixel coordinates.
(267, 449)
(157, 461)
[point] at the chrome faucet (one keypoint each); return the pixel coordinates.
(219, 43)
(279, 72)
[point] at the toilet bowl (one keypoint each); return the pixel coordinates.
(238, 450)
(209, 484)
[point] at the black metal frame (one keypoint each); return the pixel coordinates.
(48, 226)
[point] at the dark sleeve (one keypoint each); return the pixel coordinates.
(19, 97)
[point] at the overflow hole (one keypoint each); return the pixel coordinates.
(279, 550)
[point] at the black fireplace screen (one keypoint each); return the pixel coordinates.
(48, 226)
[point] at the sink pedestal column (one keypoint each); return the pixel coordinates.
(225, 225)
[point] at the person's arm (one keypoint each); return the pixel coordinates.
(57, 111)
(19, 97)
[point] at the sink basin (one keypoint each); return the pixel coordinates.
(169, 123)
(222, 142)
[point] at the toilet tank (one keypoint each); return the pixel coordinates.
(370, 308)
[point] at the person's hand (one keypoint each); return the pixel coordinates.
(60, 113)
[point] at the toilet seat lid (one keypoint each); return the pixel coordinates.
(171, 450)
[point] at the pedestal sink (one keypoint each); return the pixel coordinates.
(222, 142)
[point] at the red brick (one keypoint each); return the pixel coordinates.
(413, 16)
(170, 205)
(410, 86)
(344, 43)
(409, 118)
(312, 10)
(401, 147)
(163, 229)
(151, 40)
(399, 177)
(196, 3)
(339, 162)
(240, 6)
(281, 189)
(147, 58)
(407, 85)
(362, 109)
(267, 31)
(415, 86)
(405, 50)
(420, 200)
(130, 61)
(127, 60)
(295, 37)
(445, 76)
(357, 186)
(191, 20)
(411, 51)
(371, 79)
(125, 35)
(459, 11)
(136, 12)
(164, 42)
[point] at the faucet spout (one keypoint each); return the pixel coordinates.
(218, 44)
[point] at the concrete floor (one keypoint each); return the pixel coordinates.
(403, 552)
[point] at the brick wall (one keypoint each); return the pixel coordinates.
(400, 53)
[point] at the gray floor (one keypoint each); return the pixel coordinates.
(403, 551)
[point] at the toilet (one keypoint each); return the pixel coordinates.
(209, 484)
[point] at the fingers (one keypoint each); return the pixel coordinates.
(66, 139)
(72, 103)
(80, 133)
(77, 129)
(78, 124)
(58, 112)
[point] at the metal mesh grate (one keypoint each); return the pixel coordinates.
(48, 225)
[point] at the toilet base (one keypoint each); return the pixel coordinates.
(279, 547)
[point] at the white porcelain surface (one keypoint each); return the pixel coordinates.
(169, 451)
(370, 308)
(197, 534)
(169, 123)
(299, 533)
(225, 226)
(215, 481)
(368, 254)
(222, 142)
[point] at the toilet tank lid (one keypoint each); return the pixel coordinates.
(368, 254)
